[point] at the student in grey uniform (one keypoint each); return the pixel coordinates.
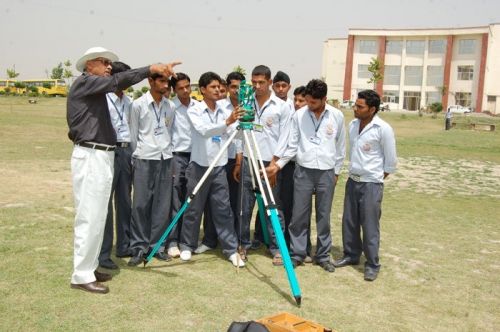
(211, 126)
(181, 142)
(317, 139)
(372, 153)
(119, 109)
(272, 118)
(209, 241)
(150, 132)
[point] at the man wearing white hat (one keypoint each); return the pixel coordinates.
(94, 139)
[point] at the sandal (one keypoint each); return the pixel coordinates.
(277, 260)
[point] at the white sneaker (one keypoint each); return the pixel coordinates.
(185, 255)
(236, 260)
(202, 248)
(174, 252)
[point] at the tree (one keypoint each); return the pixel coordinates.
(57, 72)
(11, 72)
(375, 67)
(68, 74)
(240, 70)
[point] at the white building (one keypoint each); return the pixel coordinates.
(419, 66)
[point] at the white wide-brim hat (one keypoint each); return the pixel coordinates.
(94, 53)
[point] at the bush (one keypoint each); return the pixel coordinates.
(137, 94)
(436, 107)
(2, 93)
(144, 89)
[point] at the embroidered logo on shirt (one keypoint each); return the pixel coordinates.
(167, 121)
(366, 147)
(329, 129)
(269, 122)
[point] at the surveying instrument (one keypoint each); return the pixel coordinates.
(266, 205)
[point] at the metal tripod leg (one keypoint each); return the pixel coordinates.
(190, 198)
(273, 215)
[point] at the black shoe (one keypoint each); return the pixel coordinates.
(370, 274)
(256, 244)
(162, 256)
(127, 253)
(296, 263)
(344, 261)
(136, 259)
(327, 266)
(108, 264)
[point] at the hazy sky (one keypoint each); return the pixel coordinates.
(212, 35)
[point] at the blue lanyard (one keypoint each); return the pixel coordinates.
(210, 117)
(120, 115)
(320, 120)
(259, 115)
(158, 116)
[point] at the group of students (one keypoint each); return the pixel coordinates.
(164, 147)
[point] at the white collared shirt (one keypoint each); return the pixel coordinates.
(119, 111)
(209, 133)
(151, 127)
(181, 127)
(236, 143)
(316, 143)
(274, 117)
(373, 151)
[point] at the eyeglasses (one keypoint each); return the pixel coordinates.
(105, 62)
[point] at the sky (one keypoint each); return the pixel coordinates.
(215, 35)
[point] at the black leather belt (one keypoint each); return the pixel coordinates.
(182, 154)
(97, 146)
(122, 144)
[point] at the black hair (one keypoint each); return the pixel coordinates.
(235, 75)
(316, 89)
(156, 76)
(119, 67)
(262, 70)
(300, 90)
(208, 77)
(372, 98)
(180, 77)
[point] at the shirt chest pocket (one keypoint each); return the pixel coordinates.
(329, 131)
(271, 121)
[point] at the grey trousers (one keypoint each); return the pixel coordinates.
(179, 164)
(362, 211)
(121, 193)
(151, 203)
(286, 195)
(248, 203)
(209, 233)
(306, 182)
(215, 192)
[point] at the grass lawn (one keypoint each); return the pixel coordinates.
(439, 246)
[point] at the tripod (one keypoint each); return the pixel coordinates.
(269, 205)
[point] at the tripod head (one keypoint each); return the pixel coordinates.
(246, 101)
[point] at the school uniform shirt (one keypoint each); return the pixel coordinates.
(235, 145)
(316, 143)
(271, 126)
(119, 110)
(372, 152)
(150, 128)
(209, 133)
(181, 127)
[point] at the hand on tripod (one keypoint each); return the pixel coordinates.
(235, 115)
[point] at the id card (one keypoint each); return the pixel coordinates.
(258, 127)
(315, 140)
(216, 139)
(158, 131)
(122, 128)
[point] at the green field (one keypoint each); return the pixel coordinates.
(439, 245)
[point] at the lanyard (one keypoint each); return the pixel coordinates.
(120, 115)
(210, 117)
(319, 124)
(261, 111)
(158, 116)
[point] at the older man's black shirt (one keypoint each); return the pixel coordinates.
(87, 108)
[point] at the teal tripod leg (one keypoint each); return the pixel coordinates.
(262, 217)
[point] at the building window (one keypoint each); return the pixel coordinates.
(411, 101)
(392, 75)
(466, 46)
(391, 96)
(393, 46)
(432, 97)
(413, 75)
(465, 73)
(363, 71)
(434, 75)
(463, 98)
(415, 47)
(437, 46)
(368, 46)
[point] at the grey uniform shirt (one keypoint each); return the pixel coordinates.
(150, 128)
(87, 109)
(181, 127)
(119, 110)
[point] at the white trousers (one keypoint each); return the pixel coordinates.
(92, 174)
